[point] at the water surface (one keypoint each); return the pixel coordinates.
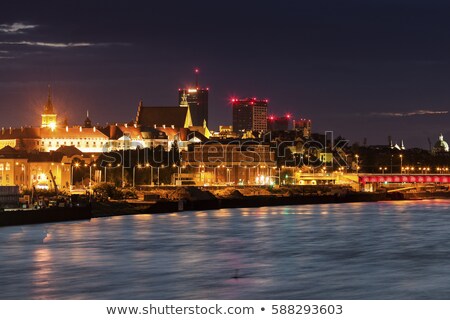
(386, 250)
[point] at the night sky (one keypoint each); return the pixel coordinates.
(363, 69)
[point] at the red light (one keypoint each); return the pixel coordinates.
(251, 102)
(288, 115)
(233, 100)
(272, 117)
(196, 70)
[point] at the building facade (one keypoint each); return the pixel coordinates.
(249, 114)
(233, 162)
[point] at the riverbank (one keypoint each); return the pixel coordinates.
(167, 200)
(193, 199)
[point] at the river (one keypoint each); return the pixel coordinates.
(385, 250)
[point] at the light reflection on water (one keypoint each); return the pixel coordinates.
(387, 250)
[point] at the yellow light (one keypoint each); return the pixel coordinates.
(52, 125)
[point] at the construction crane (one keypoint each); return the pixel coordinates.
(53, 181)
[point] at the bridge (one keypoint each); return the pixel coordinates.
(403, 178)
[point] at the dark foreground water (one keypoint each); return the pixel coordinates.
(390, 250)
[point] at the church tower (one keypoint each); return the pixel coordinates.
(87, 121)
(49, 115)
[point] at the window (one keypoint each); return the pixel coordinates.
(7, 167)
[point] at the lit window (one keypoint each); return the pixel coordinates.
(7, 167)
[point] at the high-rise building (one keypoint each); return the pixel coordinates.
(197, 99)
(249, 114)
(275, 123)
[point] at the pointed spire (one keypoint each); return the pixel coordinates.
(87, 122)
(184, 102)
(48, 108)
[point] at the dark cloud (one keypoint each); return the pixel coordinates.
(16, 27)
(409, 114)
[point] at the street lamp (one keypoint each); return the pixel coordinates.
(76, 165)
(401, 163)
(90, 173)
(109, 165)
(134, 173)
(162, 166)
(382, 169)
(123, 174)
(357, 163)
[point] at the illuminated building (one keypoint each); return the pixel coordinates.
(225, 132)
(49, 115)
(88, 140)
(13, 165)
(197, 98)
(249, 114)
(27, 169)
(440, 146)
(154, 127)
(236, 162)
(304, 126)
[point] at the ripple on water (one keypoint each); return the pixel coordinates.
(386, 250)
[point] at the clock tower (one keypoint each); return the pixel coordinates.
(49, 115)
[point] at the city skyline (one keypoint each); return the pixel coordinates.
(333, 63)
